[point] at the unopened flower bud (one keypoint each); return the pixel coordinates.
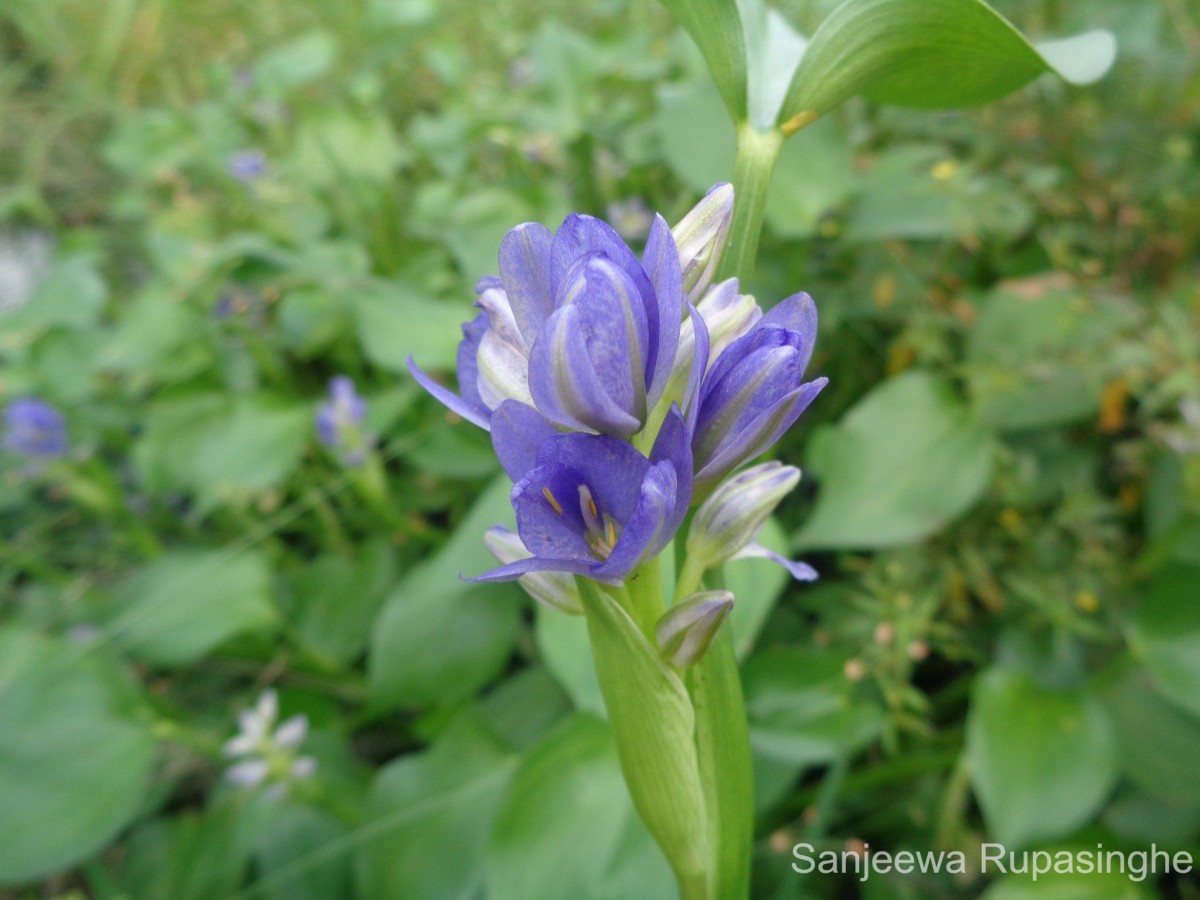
(727, 316)
(687, 629)
(701, 236)
(554, 589)
(737, 510)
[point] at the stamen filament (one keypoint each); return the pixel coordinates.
(590, 512)
(552, 501)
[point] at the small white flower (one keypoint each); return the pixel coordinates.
(248, 773)
(266, 753)
(291, 733)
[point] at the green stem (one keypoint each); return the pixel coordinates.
(653, 725)
(757, 152)
(645, 597)
(693, 887)
(690, 578)
(726, 766)
(371, 481)
(723, 751)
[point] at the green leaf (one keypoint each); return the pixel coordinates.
(298, 62)
(1082, 58)
(901, 197)
(192, 856)
(1142, 818)
(71, 293)
(562, 641)
(1041, 358)
(525, 707)
(293, 858)
(1172, 522)
(773, 51)
(185, 603)
(1068, 886)
(1041, 762)
(156, 337)
(931, 54)
(333, 146)
(469, 223)
(800, 707)
(653, 722)
(813, 177)
(394, 322)
(696, 139)
(1166, 634)
(901, 464)
(74, 768)
(429, 816)
(202, 443)
(439, 639)
(716, 27)
(337, 599)
(65, 361)
(1159, 742)
(566, 827)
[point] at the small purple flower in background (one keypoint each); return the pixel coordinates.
(266, 753)
(247, 165)
(34, 428)
(340, 421)
(521, 73)
(224, 307)
(243, 77)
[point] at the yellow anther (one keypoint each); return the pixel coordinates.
(592, 505)
(550, 499)
(610, 532)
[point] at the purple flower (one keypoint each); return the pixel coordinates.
(340, 421)
(575, 326)
(34, 428)
(247, 165)
(591, 504)
(753, 392)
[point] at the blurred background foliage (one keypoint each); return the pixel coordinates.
(208, 208)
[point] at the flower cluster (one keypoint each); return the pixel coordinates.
(266, 752)
(620, 392)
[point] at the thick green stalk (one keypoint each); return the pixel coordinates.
(645, 596)
(723, 752)
(652, 720)
(726, 767)
(757, 152)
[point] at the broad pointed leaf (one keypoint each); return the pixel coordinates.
(930, 54)
(716, 27)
